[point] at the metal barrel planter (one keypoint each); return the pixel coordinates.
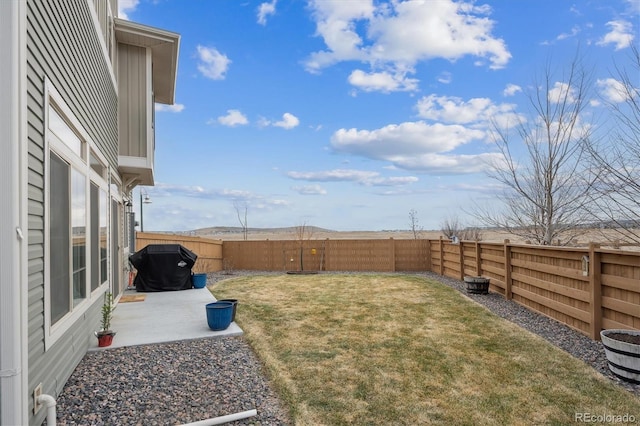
(477, 285)
(622, 348)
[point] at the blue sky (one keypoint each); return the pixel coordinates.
(347, 114)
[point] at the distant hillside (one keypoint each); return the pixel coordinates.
(215, 230)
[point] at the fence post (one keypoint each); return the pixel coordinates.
(595, 282)
(429, 265)
(461, 252)
(392, 261)
(507, 271)
(478, 262)
(441, 256)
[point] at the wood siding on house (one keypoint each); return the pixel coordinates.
(64, 47)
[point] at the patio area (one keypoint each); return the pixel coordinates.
(160, 317)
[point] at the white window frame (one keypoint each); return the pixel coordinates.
(53, 332)
(115, 194)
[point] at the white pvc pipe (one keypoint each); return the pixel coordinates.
(224, 419)
(49, 403)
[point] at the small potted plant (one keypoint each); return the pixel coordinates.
(105, 335)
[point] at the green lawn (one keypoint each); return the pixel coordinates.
(382, 349)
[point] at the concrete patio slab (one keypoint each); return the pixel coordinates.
(165, 316)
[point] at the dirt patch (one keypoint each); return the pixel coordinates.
(624, 337)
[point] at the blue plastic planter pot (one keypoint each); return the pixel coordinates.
(199, 280)
(219, 315)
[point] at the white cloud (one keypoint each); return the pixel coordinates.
(448, 164)
(634, 6)
(416, 146)
(336, 175)
(289, 121)
(125, 7)
(336, 24)
(361, 177)
(445, 77)
(235, 194)
(574, 32)
(391, 181)
(440, 145)
(169, 108)
(382, 81)
(233, 118)
(621, 34)
(264, 10)
(511, 90)
(612, 90)
(405, 139)
(396, 35)
(310, 190)
(561, 92)
(480, 112)
(196, 191)
(212, 64)
(263, 122)
(279, 203)
(255, 201)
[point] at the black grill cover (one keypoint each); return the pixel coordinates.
(163, 267)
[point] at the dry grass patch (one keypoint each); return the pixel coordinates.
(381, 349)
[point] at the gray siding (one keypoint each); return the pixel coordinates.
(62, 45)
(132, 72)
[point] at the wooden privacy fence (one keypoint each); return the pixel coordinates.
(209, 251)
(328, 255)
(588, 289)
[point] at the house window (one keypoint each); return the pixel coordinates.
(59, 218)
(67, 219)
(99, 271)
(76, 220)
(79, 235)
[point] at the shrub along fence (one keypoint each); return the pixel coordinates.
(586, 288)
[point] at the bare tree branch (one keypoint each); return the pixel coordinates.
(616, 158)
(544, 193)
(416, 229)
(302, 233)
(452, 227)
(242, 209)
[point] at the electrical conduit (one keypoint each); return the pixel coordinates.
(224, 419)
(49, 403)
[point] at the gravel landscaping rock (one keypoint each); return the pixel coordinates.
(189, 381)
(170, 384)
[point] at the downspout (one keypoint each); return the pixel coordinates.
(13, 216)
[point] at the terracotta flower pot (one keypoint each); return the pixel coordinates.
(105, 339)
